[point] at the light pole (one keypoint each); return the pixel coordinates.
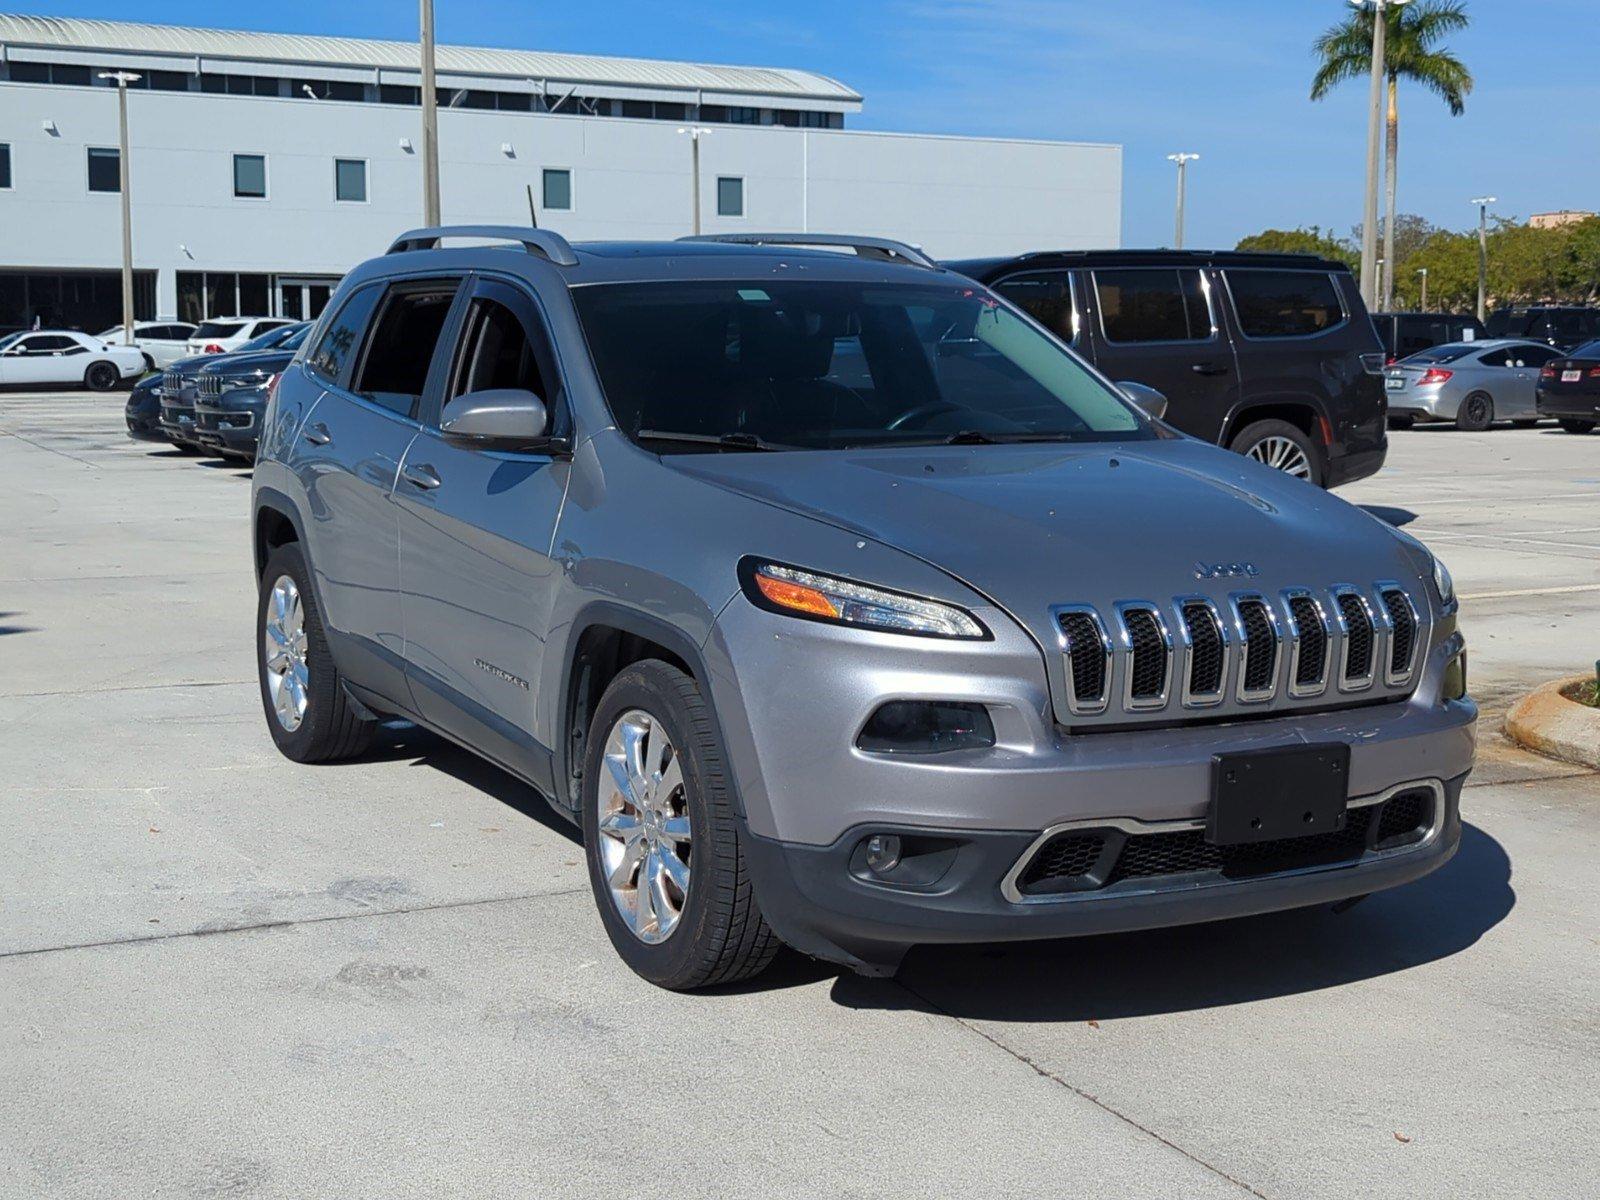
(122, 80)
(430, 123)
(1382, 274)
(1483, 203)
(1369, 217)
(1423, 303)
(695, 132)
(1183, 160)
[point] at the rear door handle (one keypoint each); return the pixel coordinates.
(1206, 368)
(317, 434)
(421, 476)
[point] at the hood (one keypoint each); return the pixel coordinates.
(1034, 526)
(193, 365)
(266, 361)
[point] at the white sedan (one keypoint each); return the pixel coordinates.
(163, 342)
(47, 357)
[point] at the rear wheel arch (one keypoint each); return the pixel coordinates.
(1303, 415)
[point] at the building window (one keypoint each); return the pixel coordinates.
(250, 176)
(557, 190)
(105, 170)
(398, 93)
(5, 166)
(350, 180)
(730, 196)
(168, 81)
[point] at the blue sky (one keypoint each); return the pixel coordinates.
(1227, 80)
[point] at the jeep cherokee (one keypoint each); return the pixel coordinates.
(839, 603)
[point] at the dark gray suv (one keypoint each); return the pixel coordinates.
(840, 603)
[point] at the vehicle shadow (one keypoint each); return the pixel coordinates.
(6, 627)
(399, 740)
(1393, 516)
(1206, 966)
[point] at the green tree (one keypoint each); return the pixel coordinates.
(1302, 241)
(1411, 52)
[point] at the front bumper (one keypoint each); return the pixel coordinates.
(230, 427)
(821, 901)
(177, 419)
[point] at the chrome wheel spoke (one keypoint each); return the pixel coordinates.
(646, 921)
(623, 872)
(621, 825)
(670, 781)
(675, 829)
(675, 869)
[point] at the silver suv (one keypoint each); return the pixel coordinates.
(839, 603)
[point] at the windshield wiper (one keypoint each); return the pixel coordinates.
(977, 437)
(722, 441)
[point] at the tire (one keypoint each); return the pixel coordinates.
(101, 376)
(1401, 420)
(327, 726)
(1280, 445)
(1577, 425)
(710, 931)
(1476, 413)
(1525, 423)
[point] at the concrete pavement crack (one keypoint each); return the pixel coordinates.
(1046, 1073)
(200, 933)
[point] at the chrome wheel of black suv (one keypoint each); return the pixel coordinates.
(308, 714)
(664, 856)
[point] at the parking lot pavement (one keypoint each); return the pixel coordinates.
(225, 974)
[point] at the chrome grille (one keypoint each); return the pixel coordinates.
(209, 385)
(171, 382)
(1087, 652)
(1253, 650)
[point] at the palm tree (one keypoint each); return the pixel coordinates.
(1412, 52)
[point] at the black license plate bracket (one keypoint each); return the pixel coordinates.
(1284, 792)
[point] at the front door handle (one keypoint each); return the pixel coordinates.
(1206, 368)
(421, 476)
(317, 434)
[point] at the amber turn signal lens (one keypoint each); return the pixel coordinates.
(795, 596)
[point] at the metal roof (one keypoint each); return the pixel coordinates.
(582, 69)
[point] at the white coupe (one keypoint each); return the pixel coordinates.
(51, 357)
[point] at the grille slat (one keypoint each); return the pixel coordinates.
(1083, 643)
(1206, 650)
(1260, 647)
(1147, 670)
(1403, 640)
(1358, 638)
(1312, 639)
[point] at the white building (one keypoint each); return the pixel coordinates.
(263, 165)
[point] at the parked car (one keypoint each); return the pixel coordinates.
(1404, 334)
(180, 386)
(1564, 326)
(66, 358)
(839, 604)
(143, 410)
(231, 395)
(1569, 389)
(222, 334)
(1271, 355)
(1470, 383)
(163, 342)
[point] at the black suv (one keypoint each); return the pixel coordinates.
(1271, 355)
(1405, 333)
(1565, 326)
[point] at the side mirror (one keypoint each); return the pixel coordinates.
(497, 419)
(1146, 399)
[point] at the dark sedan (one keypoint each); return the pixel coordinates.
(1569, 389)
(231, 396)
(179, 385)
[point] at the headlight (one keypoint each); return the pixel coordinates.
(797, 593)
(229, 382)
(1442, 581)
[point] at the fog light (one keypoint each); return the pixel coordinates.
(1455, 678)
(927, 727)
(883, 853)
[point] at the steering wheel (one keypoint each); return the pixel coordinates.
(917, 417)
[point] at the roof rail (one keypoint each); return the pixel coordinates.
(545, 242)
(886, 249)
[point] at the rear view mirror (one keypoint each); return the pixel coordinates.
(497, 419)
(1146, 399)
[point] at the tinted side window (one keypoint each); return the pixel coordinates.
(1496, 358)
(1535, 356)
(394, 367)
(1152, 306)
(1047, 298)
(1284, 304)
(343, 334)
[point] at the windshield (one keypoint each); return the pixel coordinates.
(1587, 350)
(274, 338)
(217, 329)
(9, 339)
(827, 365)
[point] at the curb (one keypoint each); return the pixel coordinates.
(1546, 722)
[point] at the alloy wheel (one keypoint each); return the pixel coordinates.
(1281, 454)
(644, 826)
(283, 648)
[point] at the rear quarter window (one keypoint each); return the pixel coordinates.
(1285, 304)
